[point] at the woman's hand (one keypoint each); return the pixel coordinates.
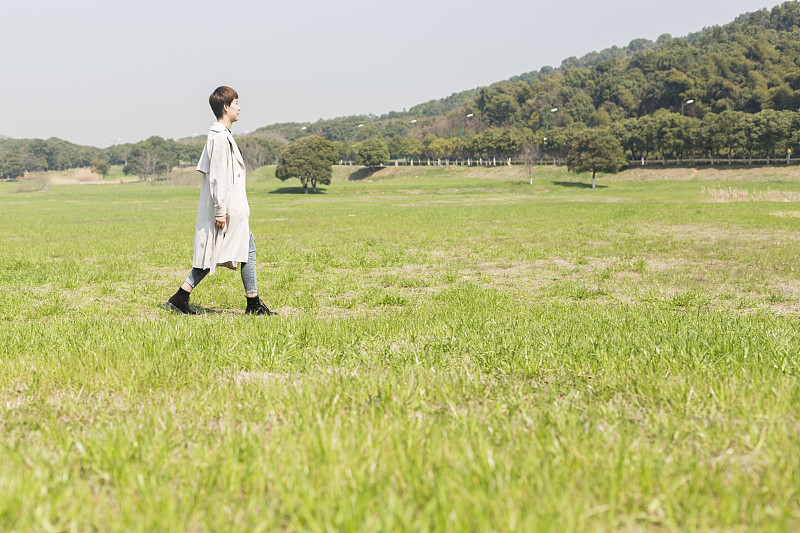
(219, 222)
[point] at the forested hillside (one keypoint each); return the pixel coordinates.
(730, 92)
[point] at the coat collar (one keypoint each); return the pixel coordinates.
(218, 127)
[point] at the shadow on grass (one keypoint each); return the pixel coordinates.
(197, 310)
(578, 185)
(296, 190)
(200, 310)
(363, 173)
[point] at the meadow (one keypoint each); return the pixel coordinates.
(456, 350)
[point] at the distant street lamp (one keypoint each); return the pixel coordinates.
(546, 124)
(684, 103)
(354, 132)
(409, 124)
(546, 117)
(462, 122)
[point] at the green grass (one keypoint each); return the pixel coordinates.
(456, 350)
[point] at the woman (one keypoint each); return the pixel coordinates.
(222, 235)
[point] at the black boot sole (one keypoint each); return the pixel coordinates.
(169, 306)
(259, 312)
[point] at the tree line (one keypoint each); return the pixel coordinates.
(34, 155)
(149, 159)
(718, 137)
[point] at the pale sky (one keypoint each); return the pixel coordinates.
(98, 72)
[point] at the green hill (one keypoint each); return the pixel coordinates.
(748, 65)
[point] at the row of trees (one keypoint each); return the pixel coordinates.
(729, 135)
(310, 159)
(149, 159)
(152, 157)
(37, 155)
(157, 156)
(768, 134)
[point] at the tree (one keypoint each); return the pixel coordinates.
(595, 150)
(460, 147)
(530, 151)
(674, 133)
(508, 143)
(35, 154)
(189, 153)
(439, 148)
(310, 160)
(118, 154)
(258, 151)
(731, 132)
(395, 146)
(558, 140)
(631, 135)
(344, 149)
(772, 129)
(11, 166)
(372, 153)
(483, 145)
(410, 148)
(153, 157)
(100, 167)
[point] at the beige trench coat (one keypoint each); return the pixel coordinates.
(221, 194)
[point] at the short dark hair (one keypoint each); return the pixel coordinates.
(221, 97)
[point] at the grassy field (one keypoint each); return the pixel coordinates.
(457, 350)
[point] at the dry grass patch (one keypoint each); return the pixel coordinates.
(733, 194)
(422, 270)
(33, 184)
(243, 377)
(649, 174)
(708, 234)
(735, 174)
(668, 172)
(786, 214)
(72, 176)
(355, 312)
(680, 264)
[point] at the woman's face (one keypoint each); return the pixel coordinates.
(232, 111)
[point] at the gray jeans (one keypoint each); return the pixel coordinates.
(248, 271)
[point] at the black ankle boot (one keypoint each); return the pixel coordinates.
(179, 303)
(256, 307)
